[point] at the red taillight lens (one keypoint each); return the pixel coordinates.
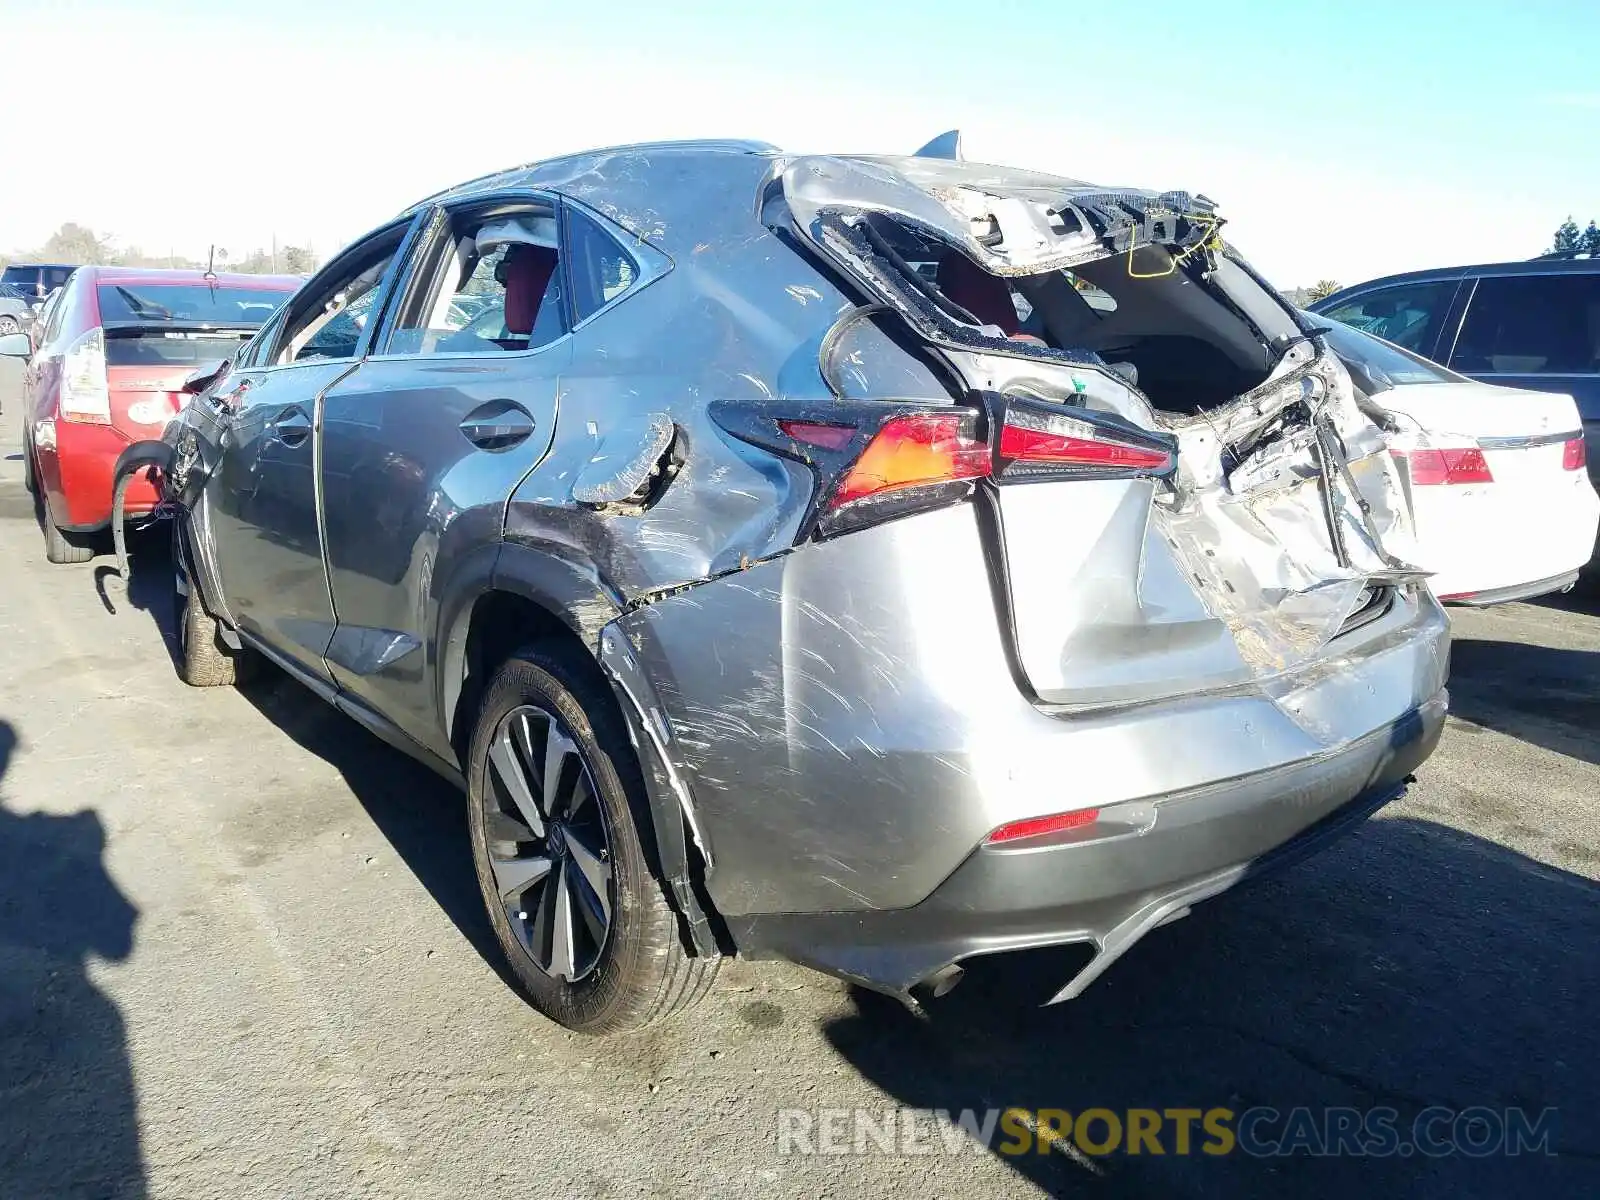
(1039, 826)
(1574, 455)
(1038, 443)
(1432, 468)
(914, 451)
(815, 433)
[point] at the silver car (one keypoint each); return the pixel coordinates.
(873, 562)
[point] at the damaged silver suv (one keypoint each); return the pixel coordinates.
(873, 562)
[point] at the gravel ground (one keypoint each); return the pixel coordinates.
(242, 954)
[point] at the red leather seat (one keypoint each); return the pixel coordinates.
(983, 295)
(526, 271)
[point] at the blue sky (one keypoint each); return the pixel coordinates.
(1341, 140)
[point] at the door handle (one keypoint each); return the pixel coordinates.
(497, 425)
(292, 428)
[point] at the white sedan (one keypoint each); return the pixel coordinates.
(1504, 509)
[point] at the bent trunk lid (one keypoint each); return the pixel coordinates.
(1285, 520)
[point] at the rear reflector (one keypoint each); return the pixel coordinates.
(1431, 468)
(1039, 826)
(815, 433)
(913, 451)
(1574, 456)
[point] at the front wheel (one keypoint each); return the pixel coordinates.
(555, 803)
(9, 325)
(204, 658)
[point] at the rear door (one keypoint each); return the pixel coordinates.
(1416, 314)
(422, 445)
(261, 498)
(1539, 332)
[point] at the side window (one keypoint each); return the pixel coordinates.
(54, 277)
(45, 322)
(600, 268)
(489, 283)
(257, 350)
(59, 304)
(1531, 325)
(1407, 314)
(328, 316)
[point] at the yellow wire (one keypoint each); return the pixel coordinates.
(1209, 241)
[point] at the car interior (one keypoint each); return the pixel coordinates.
(1147, 317)
(491, 283)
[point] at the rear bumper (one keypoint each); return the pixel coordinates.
(1507, 545)
(76, 476)
(1111, 891)
(1505, 595)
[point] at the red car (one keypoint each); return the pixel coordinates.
(107, 368)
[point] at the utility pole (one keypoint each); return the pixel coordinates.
(274, 253)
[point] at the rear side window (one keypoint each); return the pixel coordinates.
(54, 277)
(1407, 314)
(489, 283)
(601, 269)
(1531, 325)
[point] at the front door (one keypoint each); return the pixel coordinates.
(262, 499)
(422, 445)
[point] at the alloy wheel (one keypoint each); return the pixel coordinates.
(547, 843)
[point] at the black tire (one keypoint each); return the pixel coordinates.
(9, 325)
(60, 546)
(204, 659)
(27, 469)
(643, 971)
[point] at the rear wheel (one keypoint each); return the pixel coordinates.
(9, 325)
(59, 545)
(555, 804)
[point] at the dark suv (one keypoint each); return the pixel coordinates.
(38, 280)
(1533, 324)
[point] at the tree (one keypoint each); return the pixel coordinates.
(78, 244)
(1567, 238)
(1322, 289)
(1591, 240)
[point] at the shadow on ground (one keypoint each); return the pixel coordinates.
(68, 1110)
(1543, 695)
(421, 814)
(1410, 965)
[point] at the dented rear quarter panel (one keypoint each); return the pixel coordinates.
(740, 316)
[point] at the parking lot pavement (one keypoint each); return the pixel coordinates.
(242, 953)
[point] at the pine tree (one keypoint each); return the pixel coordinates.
(1567, 238)
(1591, 240)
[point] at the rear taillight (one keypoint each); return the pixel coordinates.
(877, 460)
(1574, 456)
(1454, 465)
(1037, 442)
(915, 451)
(85, 396)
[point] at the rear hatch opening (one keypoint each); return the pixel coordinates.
(1284, 523)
